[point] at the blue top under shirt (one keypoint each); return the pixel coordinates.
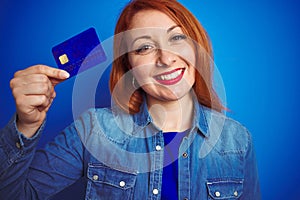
(170, 172)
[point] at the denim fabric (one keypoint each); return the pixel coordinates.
(118, 154)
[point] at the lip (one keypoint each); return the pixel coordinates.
(167, 79)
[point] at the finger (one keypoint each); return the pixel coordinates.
(46, 70)
(34, 89)
(53, 94)
(27, 103)
(33, 78)
(55, 81)
(47, 107)
(26, 79)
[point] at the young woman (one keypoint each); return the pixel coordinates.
(165, 136)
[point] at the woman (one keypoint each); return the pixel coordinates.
(164, 137)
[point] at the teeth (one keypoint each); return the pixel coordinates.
(170, 76)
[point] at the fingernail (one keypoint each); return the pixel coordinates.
(65, 74)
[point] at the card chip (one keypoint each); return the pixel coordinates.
(63, 59)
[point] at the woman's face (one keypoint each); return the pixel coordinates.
(161, 56)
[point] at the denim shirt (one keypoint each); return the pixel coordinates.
(121, 157)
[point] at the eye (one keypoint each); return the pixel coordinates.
(144, 49)
(178, 37)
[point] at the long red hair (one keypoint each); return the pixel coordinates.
(203, 87)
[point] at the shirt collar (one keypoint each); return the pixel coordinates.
(200, 118)
(143, 118)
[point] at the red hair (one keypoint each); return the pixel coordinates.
(202, 87)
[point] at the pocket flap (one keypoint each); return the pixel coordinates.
(225, 189)
(117, 178)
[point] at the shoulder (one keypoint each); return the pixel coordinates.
(99, 118)
(227, 134)
(93, 116)
(106, 123)
(98, 114)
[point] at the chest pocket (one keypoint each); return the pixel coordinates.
(225, 189)
(108, 183)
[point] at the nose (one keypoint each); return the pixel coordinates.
(165, 58)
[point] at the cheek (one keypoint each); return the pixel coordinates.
(141, 67)
(191, 76)
(139, 61)
(188, 54)
(142, 73)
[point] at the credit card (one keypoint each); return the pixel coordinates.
(79, 53)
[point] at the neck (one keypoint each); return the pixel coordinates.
(172, 116)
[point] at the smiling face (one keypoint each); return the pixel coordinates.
(161, 56)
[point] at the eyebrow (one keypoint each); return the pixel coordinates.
(172, 27)
(149, 37)
(141, 37)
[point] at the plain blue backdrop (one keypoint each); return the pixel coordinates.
(256, 45)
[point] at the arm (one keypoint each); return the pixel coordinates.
(251, 182)
(25, 173)
(29, 174)
(16, 152)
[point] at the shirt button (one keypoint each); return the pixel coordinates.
(95, 177)
(158, 148)
(235, 193)
(155, 191)
(218, 194)
(18, 145)
(122, 183)
(185, 199)
(185, 155)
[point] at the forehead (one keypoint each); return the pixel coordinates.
(151, 18)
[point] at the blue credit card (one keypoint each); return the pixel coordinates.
(79, 53)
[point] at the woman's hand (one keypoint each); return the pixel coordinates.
(33, 90)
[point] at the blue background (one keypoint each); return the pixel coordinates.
(256, 50)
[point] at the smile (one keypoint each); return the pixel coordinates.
(170, 78)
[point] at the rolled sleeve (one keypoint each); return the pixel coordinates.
(14, 146)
